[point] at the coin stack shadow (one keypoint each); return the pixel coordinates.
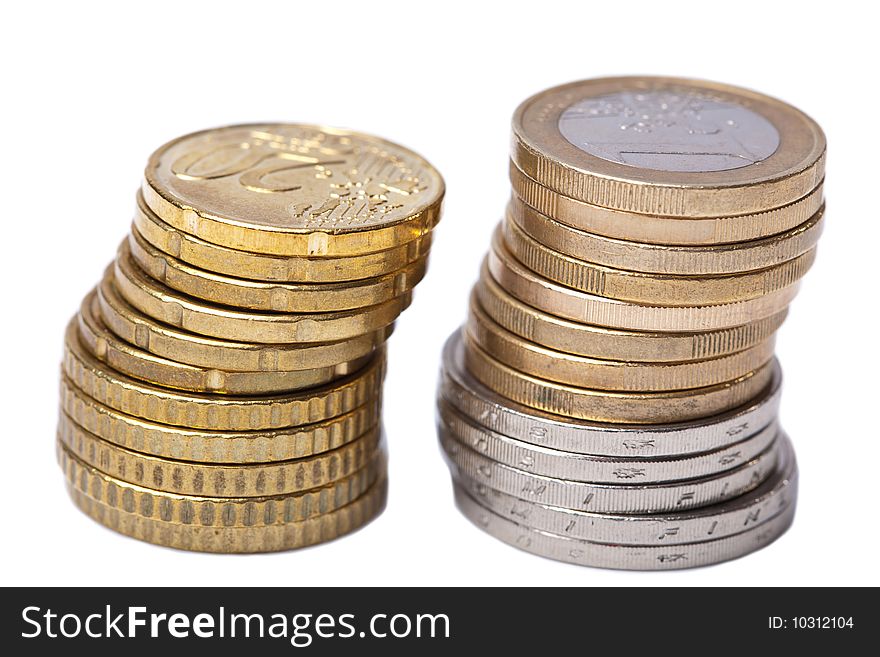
(612, 399)
(221, 387)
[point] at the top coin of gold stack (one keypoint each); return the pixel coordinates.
(221, 387)
(657, 231)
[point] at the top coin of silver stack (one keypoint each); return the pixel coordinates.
(612, 399)
(221, 387)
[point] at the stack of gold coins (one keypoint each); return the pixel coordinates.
(221, 387)
(612, 400)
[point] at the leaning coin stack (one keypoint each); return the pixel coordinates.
(221, 387)
(612, 399)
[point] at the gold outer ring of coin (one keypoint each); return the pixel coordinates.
(221, 412)
(791, 172)
(654, 229)
(219, 480)
(666, 259)
(164, 341)
(565, 302)
(295, 190)
(578, 371)
(271, 297)
(595, 341)
(146, 521)
(139, 364)
(284, 269)
(164, 304)
(207, 446)
(612, 407)
(638, 287)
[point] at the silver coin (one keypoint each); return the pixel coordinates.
(707, 523)
(608, 498)
(669, 130)
(625, 557)
(508, 418)
(598, 469)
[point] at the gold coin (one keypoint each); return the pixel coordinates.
(207, 446)
(254, 266)
(220, 511)
(139, 364)
(583, 372)
(638, 287)
(297, 190)
(653, 229)
(218, 480)
(565, 302)
(278, 297)
(615, 344)
(158, 301)
(221, 412)
(666, 259)
(212, 353)
(254, 527)
(613, 407)
(668, 146)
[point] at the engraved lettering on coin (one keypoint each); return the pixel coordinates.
(328, 180)
(669, 131)
(259, 168)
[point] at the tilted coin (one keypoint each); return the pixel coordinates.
(215, 446)
(654, 229)
(581, 371)
(639, 287)
(218, 480)
(777, 493)
(611, 498)
(625, 557)
(667, 259)
(224, 412)
(216, 512)
(147, 522)
(598, 469)
(289, 189)
(668, 146)
(165, 341)
(501, 415)
(277, 297)
(139, 364)
(612, 406)
(262, 267)
(615, 344)
(572, 304)
(159, 301)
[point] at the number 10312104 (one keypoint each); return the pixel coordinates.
(810, 623)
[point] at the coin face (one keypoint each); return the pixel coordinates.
(669, 130)
(668, 147)
(293, 177)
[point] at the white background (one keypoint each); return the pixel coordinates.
(90, 90)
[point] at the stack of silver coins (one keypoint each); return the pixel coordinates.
(613, 398)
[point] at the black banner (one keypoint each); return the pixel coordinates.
(435, 621)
